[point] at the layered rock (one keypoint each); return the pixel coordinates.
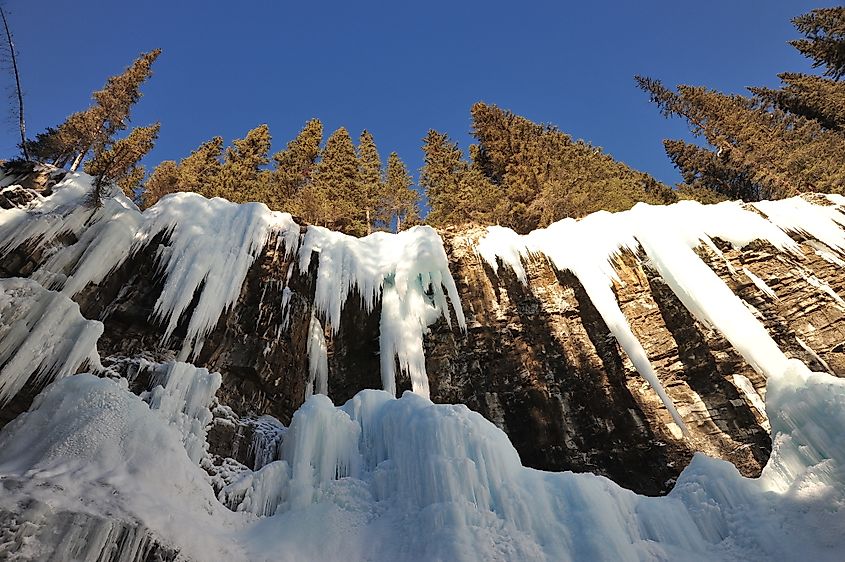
(537, 358)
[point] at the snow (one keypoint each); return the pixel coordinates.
(43, 336)
(382, 478)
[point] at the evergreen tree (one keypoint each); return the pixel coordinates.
(398, 202)
(703, 169)
(786, 154)
(336, 188)
(457, 191)
(440, 177)
(824, 42)
(242, 177)
(163, 180)
(544, 175)
(95, 127)
(201, 170)
(119, 162)
(294, 165)
(370, 177)
(809, 96)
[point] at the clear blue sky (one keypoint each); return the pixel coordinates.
(398, 68)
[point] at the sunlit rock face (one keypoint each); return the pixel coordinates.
(536, 356)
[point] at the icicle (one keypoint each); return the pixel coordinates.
(318, 362)
(408, 271)
(43, 336)
(182, 396)
(213, 243)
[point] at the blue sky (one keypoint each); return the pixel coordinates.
(397, 68)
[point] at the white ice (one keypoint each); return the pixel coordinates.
(207, 247)
(42, 336)
(405, 479)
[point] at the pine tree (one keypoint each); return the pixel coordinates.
(119, 162)
(370, 177)
(398, 204)
(163, 180)
(458, 192)
(787, 154)
(294, 165)
(544, 175)
(336, 187)
(95, 127)
(201, 170)
(440, 177)
(809, 96)
(703, 169)
(242, 177)
(824, 41)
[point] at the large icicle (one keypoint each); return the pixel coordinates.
(181, 395)
(408, 271)
(585, 248)
(318, 361)
(213, 242)
(42, 336)
(668, 235)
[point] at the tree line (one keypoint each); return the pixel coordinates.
(771, 143)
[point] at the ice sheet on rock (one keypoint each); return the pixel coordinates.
(42, 336)
(667, 235)
(408, 271)
(181, 394)
(796, 214)
(88, 445)
(212, 244)
(103, 234)
(760, 284)
(209, 246)
(585, 248)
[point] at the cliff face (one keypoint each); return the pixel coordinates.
(537, 358)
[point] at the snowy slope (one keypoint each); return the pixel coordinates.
(380, 477)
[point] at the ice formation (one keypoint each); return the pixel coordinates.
(405, 479)
(667, 235)
(381, 478)
(42, 336)
(206, 247)
(182, 394)
(318, 361)
(408, 271)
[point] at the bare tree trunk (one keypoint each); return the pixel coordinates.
(21, 122)
(77, 161)
(369, 225)
(398, 223)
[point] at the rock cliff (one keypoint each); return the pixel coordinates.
(537, 357)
